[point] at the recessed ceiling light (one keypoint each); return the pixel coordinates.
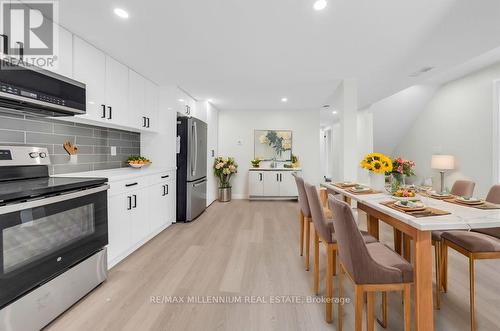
(210, 100)
(181, 100)
(319, 5)
(121, 13)
(284, 99)
(334, 112)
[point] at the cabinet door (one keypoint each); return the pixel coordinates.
(89, 67)
(119, 225)
(140, 217)
(288, 187)
(256, 183)
(151, 104)
(158, 205)
(136, 100)
(116, 89)
(271, 183)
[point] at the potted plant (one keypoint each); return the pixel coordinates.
(401, 169)
(255, 162)
(224, 168)
(295, 161)
(377, 164)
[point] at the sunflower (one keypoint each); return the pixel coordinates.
(376, 162)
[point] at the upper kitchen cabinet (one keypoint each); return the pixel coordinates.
(143, 102)
(178, 101)
(89, 67)
(63, 60)
(117, 110)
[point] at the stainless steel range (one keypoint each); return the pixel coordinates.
(53, 233)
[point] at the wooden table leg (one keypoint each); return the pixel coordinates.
(347, 200)
(407, 247)
(372, 224)
(424, 309)
(397, 241)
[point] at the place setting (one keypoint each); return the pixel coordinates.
(472, 202)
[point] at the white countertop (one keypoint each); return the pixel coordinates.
(461, 217)
(275, 169)
(120, 173)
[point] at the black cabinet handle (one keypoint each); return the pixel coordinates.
(260, 176)
(143, 121)
(103, 111)
(5, 43)
(163, 187)
(110, 115)
(277, 177)
(129, 202)
(21, 49)
(135, 200)
(281, 178)
(131, 184)
(147, 121)
(166, 176)
(167, 189)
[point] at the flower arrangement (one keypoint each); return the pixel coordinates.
(224, 168)
(255, 162)
(377, 163)
(401, 167)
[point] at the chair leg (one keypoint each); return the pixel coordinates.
(329, 282)
(301, 220)
(308, 244)
(444, 266)
(397, 240)
(471, 287)
(339, 317)
(316, 262)
(383, 307)
(334, 263)
(370, 321)
(406, 295)
(358, 309)
(437, 256)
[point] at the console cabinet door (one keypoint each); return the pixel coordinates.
(256, 183)
(288, 187)
(271, 183)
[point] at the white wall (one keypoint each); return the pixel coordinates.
(365, 142)
(457, 121)
(236, 130)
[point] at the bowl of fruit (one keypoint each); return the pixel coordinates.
(136, 161)
(404, 194)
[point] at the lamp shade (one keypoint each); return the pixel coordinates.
(443, 162)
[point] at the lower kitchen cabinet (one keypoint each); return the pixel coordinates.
(272, 184)
(138, 209)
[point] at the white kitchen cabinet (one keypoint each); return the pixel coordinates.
(119, 225)
(63, 64)
(272, 184)
(162, 198)
(141, 218)
(256, 183)
(89, 67)
(151, 105)
(143, 102)
(116, 86)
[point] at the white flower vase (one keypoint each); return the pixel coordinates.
(377, 181)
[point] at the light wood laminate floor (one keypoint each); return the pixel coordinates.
(245, 248)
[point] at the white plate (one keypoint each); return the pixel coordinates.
(411, 205)
(136, 165)
(361, 189)
(468, 200)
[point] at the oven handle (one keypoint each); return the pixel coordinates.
(50, 200)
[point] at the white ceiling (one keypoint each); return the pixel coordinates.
(249, 54)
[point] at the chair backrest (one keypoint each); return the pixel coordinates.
(352, 249)
(318, 216)
(463, 188)
(494, 194)
(303, 202)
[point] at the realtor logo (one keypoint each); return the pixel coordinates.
(30, 30)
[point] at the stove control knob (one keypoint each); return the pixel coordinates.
(33, 155)
(43, 155)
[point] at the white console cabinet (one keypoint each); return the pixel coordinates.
(272, 184)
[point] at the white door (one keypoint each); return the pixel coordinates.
(271, 183)
(141, 222)
(116, 92)
(119, 225)
(136, 100)
(151, 104)
(255, 183)
(288, 187)
(89, 67)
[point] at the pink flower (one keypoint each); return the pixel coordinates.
(400, 169)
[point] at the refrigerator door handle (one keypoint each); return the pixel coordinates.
(194, 164)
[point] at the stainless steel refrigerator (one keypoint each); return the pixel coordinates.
(191, 168)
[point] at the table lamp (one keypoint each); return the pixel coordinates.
(443, 163)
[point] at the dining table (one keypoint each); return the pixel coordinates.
(416, 231)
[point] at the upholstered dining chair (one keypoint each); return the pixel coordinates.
(464, 188)
(324, 231)
(305, 219)
(372, 267)
(479, 244)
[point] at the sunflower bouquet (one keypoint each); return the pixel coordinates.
(377, 163)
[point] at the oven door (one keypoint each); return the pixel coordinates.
(42, 238)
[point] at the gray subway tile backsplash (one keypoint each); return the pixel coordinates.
(94, 143)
